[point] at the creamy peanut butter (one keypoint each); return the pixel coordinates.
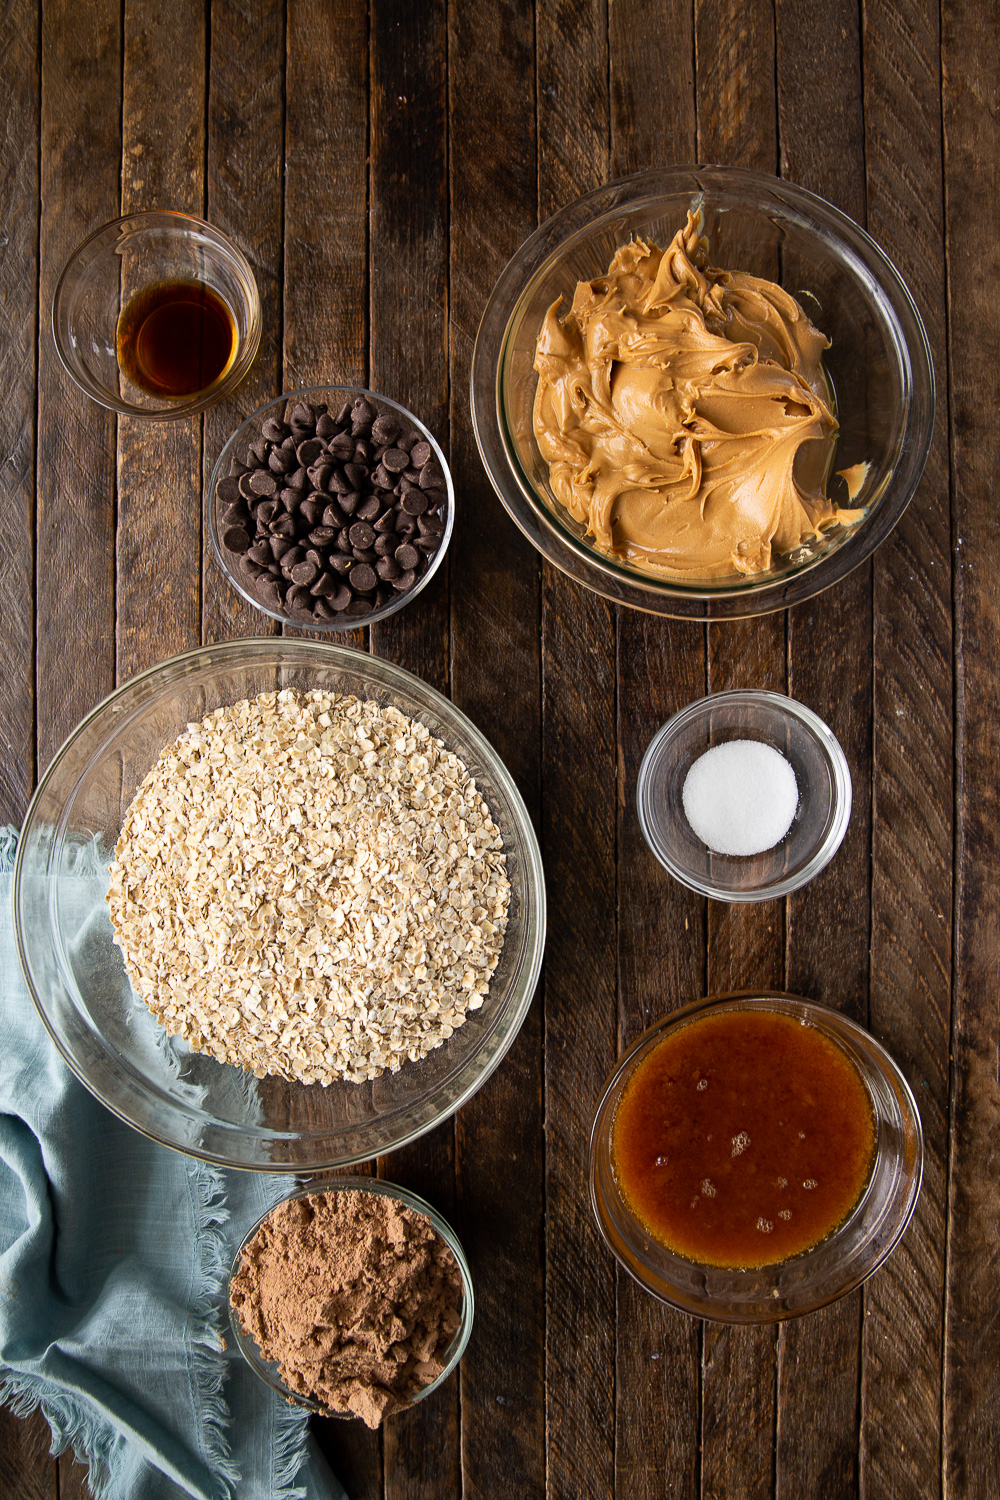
(684, 413)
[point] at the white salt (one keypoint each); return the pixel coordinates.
(740, 797)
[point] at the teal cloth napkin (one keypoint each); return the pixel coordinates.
(114, 1253)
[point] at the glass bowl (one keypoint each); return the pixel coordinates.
(129, 256)
(329, 397)
(821, 774)
(77, 976)
(817, 1276)
(269, 1371)
(879, 367)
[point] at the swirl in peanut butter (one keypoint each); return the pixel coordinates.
(684, 414)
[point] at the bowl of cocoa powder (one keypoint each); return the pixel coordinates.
(352, 1297)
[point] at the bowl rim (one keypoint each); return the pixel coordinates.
(381, 1187)
(180, 407)
(786, 707)
(827, 1019)
(330, 627)
(186, 663)
(617, 581)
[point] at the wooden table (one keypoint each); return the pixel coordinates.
(379, 165)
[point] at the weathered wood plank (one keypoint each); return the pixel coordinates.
(737, 123)
(660, 667)
(821, 133)
(80, 156)
(408, 361)
(159, 540)
(578, 836)
(911, 954)
(244, 198)
(971, 1397)
(19, 209)
(496, 680)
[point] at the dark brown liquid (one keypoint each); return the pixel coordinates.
(743, 1139)
(175, 338)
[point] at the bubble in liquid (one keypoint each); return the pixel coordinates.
(782, 1182)
(765, 1226)
(784, 1213)
(810, 1182)
(701, 1085)
(708, 1188)
(740, 1143)
(661, 1161)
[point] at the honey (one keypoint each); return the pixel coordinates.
(175, 338)
(743, 1138)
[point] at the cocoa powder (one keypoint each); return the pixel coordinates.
(354, 1296)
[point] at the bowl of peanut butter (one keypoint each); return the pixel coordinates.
(703, 392)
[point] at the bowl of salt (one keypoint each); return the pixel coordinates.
(744, 796)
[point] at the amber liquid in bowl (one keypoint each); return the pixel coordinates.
(743, 1139)
(176, 338)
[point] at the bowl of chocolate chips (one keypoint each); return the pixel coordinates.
(330, 507)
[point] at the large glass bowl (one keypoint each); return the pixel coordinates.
(879, 367)
(804, 1282)
(77, 976)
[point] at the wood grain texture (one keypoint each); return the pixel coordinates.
(734, 58)
(408, 361)
(496, 681)
(19, 209)
(578, 839)
(244, 198)
(821, 139)
(661, 666)
(159, 541)
(971, 1398)
(409, 271)
(80, 156)
(913, 789)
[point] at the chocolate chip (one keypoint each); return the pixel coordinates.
(322, 536)
(339, 484)
(291, 560)
(245, 487)
(407, 556)
(430, 477)
(387, 568)
(280, 462)
(343, 412)
(311, 511)
(384, 428)
(386, 522)
(430, 524)
(365, 554)
(361, 534)
(235, 539)
(342, 598)
(321, 474)
(267, 510)
(274, 431)
(355, 474)
(428, 544)
(386, 544)
(305, 572)
(369, 508)
(228, 491)
(362, 413)
(359, 607)
(342, 448)
(261, 553)
(395, 460)
(414, 503)
(279, 546)
(405, 581)
(326, 426)
(382, 479)
(334, 517)
(298, 480)
(268, 591)
(362, 578)
(301, 415)
(343, 542)
(363, 453)
(325, 585)
(285, 527)
(340, 562)
(298, 597)
(349, 502)
(263, 482)
(420, 453)
(308, 451)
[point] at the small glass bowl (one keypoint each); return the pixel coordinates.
(821, 772)
(268, 1370)
(816, 1277)
(119, 260)
(330, 396)
(879, 367)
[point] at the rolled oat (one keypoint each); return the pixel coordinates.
(311, 886)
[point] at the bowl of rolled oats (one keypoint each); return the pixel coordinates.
(280, 905)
